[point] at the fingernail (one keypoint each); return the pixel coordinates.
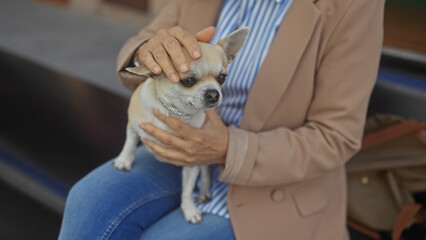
(143, 140)
(196, 53)
(155, 111)
(143, 125)
(157, 69)
(175, 78)
(183, 67)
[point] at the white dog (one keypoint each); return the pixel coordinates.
(198, 90)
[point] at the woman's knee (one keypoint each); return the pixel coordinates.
(79, 193)
(82, 208)
(212, 227)
(107, 186)
(106, 194)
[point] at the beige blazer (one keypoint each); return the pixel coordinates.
(303, 119)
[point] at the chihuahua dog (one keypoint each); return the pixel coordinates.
(199, 89)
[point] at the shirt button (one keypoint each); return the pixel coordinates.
(277, 195)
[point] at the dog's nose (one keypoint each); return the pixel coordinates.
(212, 95)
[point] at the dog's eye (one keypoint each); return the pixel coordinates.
(221, 79)
(188, 82)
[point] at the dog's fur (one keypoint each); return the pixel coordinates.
(185, 103)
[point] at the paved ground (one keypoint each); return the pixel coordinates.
(51, 58)
(70, 42)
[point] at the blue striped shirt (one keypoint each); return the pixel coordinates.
(263, 17)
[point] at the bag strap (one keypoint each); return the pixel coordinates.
(363, 230)
(393, 132)
(406, 216)
(421, 134)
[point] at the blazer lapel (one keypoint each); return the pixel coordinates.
(280, 64)
(205, 13)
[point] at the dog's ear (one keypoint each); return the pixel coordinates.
(234, 42)
(140, 70)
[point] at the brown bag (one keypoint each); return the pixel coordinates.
(383, 176)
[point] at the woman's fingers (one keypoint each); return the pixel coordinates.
(206, 34)
(188, 41)
(145, 57)
(163, 59)
(164, 52)
(192, 146)
(175, 52)
(183, 129)
(169, 155)
(164, 137)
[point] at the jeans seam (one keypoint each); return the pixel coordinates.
(131, 208)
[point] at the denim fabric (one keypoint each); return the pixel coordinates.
(140, 204)
(174, 226)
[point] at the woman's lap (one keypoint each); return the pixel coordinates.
(110, 204)
(174, 226)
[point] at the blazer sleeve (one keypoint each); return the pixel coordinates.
(335, 120)
(168, 18)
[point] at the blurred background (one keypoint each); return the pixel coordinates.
(63, 111)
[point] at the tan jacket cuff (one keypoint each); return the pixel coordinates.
(240, 157)
(127, 53)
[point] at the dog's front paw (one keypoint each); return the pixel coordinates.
(191, 212)
(203, 197)
(123, 164)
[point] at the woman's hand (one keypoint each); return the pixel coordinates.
(193, 146)
(166, 47)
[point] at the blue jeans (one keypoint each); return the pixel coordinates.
(140, 204)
